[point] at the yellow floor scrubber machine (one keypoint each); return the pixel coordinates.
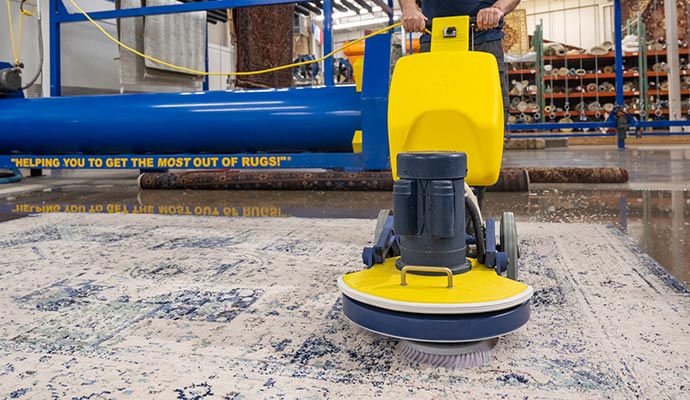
(436, 277)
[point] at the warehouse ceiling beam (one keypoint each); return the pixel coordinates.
(364, 5)
(310, 7)
(300, 9)
(381, 3)
(349, 5)
(339, 8)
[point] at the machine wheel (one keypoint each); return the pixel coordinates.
(509, 243)
(383, 216)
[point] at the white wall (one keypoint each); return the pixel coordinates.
(582, 23)
(220, 59)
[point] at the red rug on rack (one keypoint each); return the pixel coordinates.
(264, 40)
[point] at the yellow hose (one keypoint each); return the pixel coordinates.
(17, 48)
(204, 73)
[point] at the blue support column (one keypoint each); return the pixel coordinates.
(391, 14)
(328, 41)
(618, 38)
(375, 86)
(53, 20)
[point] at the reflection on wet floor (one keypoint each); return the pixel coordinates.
(655, 219)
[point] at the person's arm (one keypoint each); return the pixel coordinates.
(412, 18)
(490, 17)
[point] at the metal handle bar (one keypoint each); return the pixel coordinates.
(447, 271)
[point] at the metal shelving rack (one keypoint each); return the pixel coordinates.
(638, 125)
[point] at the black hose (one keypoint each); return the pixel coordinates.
(40, 51)
(473, 212)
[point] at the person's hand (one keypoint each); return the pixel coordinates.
(413, 20)
(489, 18)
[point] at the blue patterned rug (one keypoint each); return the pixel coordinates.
(142, 306)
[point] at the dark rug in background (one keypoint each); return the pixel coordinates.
(264, 40)
(268, 180)
(510, 179)
(576, 175)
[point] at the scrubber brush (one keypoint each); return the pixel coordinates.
(448, 355)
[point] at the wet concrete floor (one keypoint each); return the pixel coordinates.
(653, 208)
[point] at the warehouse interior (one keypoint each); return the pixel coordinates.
(269, 199)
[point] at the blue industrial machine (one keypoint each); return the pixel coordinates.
(334, 127)
(314, 127)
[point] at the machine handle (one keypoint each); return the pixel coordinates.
(447, 271)
(430, 23)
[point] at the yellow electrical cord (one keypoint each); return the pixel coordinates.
(17, 49)
(204, 73)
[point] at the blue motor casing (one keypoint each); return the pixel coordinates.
(429, 208)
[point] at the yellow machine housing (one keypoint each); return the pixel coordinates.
(449, 100)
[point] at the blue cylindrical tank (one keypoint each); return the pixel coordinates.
(275, 120)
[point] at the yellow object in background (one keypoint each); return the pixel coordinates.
(358, 69)
(357, 142)
(448, 101)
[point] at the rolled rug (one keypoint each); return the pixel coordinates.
(269, 180)
(580, 72)
(563, 71)
(511, 180)
(597, 51)
(577, 175)
(565, 120)
(608, 69)
(608, 107)
(629, 38)
(592, 87)
(608, 45)
(658, 46)
(594, 106)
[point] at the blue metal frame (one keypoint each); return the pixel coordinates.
(375, 87)
(60, 15)
(374, 96)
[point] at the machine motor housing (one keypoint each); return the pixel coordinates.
(10, 80)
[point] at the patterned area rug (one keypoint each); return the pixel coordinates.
(142, 306)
